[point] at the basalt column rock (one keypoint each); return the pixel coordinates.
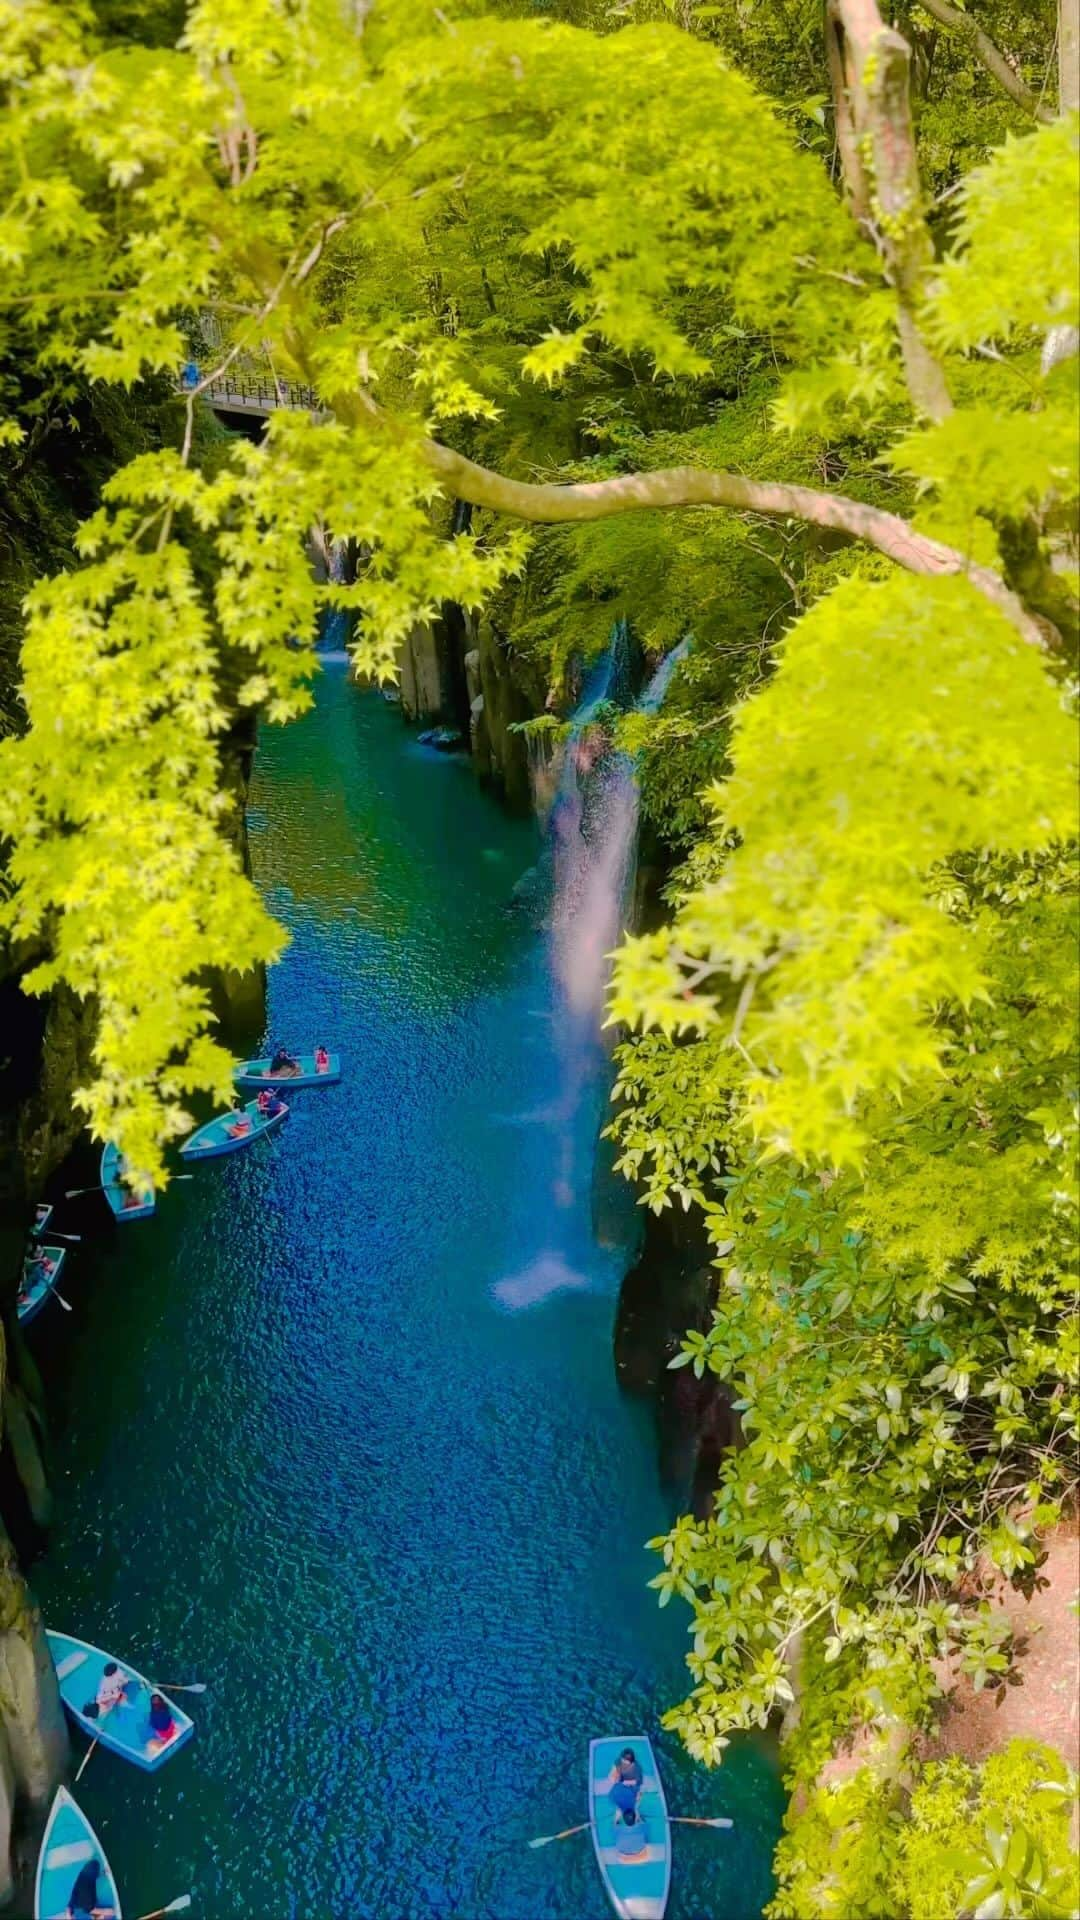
(671, 1289)
(507, 697)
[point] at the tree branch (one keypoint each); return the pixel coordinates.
(991, 56)
(852, 171)
(877, 63)
(669, 487)
(1068, 55)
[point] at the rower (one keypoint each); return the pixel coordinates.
(631, 1838)
(627, 1769)
(83, 1900)
(162, 1724)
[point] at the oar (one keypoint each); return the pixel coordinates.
(547, 1838)
(174, 1906)
(74, 1192)
(168, 1686)
(84, 1762)
(75, 1238)
(66, 1304)
(686, 1820)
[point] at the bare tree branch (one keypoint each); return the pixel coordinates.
(991, 56)
(669, 487)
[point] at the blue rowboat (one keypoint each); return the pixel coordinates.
(256, 1073)
(38, 1281)
(42, 1215)
(125, 1204)
(125, 1725)
(637, 1888)
(68, 1846)
(218, 1136)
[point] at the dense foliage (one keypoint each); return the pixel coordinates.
(993, 1839)
(853, 393)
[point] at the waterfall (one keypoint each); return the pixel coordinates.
(587, 870)
(656, 691)
(593, 828)
(592, 832)
(334, 621)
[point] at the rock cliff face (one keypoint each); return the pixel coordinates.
(669, 1290)
(463, 673)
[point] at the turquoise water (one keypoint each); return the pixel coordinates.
(337, 1431)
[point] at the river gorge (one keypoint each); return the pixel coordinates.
(339, 1433)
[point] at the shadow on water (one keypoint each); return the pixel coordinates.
(338, 1431)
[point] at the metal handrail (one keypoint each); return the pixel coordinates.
(258, 388)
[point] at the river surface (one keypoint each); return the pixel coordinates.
(337, 1432)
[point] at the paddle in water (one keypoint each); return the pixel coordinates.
(547, 1838)
(85, 1761)
(169, 1686)
(678, 1819)
(175, 1906)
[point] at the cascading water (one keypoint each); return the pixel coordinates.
(593, 826)
(593, 831)
(334, 623)
(586, 873)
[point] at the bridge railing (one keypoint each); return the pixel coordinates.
(256, 392)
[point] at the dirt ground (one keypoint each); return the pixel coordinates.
(1047, 1705)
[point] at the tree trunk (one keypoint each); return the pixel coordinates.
(852, 171)
(877, 63)
(1068, 55)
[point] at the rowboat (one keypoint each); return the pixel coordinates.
(42, 1215)
(38, 1281)
(69, 1845)
(125, 1204)
(124, 1727)
(638, 1889)
(216, 1136)
(256, 1073)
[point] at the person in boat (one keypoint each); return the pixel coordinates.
(239, 1124)
(83, 1902)
(269, 1103)
(284, 1063)
(624, 1797)
(627, 1771)
(112, 1691)
(322, 1060)
(631, 1838)
(162, 1724)
(44, 1265)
